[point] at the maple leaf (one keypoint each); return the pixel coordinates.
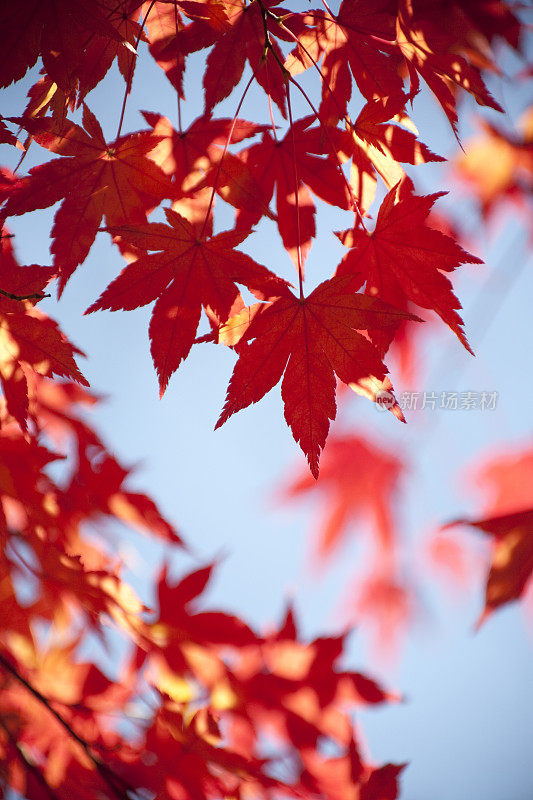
(358, 40)
(377, 146)
(242, 40)
(512, 557)
(507, 519)
(180, 624)
(32, 339)
(29, 340)
(162, 24)
(189, 272)
(506, 478)
(94, 179)
(59, 31)
(164, 21)
(357, 479)
(291, 687)
(402, 262)
(189, 154)
(6, 137)
(309, 341)
(433, 56)
(191, 761)
(498, 166)
(273, 164)
(315, 665)
(45, 96)
(103, 47)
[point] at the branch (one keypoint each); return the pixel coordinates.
(21, 297)
(108, 776)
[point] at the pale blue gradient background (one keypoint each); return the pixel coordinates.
(466, 725)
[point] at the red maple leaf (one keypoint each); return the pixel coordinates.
(162, 24)
(30, 340)
(357, 41)
(188, 272)
(188, 154)
(357, 480)
(309, 341)
(274, 163)
(180, 623)
(404, 259)
(243, 40)
(431, 53)
(507, 517)
(94, 179)
(34, 340)
(103, 47)
(377, 147)
(512, 556)
(59, 31)
(164, 20)
(191, 761)
(506, 478)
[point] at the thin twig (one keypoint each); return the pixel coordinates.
(21, 297)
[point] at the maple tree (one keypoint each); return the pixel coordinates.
(204, 704)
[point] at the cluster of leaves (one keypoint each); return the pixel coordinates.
(204, 706)
(362, 482)
(311, 339)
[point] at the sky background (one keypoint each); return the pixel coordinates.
(465, 725)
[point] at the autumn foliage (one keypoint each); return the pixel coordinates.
(200, 704)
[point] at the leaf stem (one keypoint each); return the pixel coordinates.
(274, 133)
(132, 69)
(297, 201)
(177, 56)
(226, 145)
(346, 119)
(27, 143)
(353, 199)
